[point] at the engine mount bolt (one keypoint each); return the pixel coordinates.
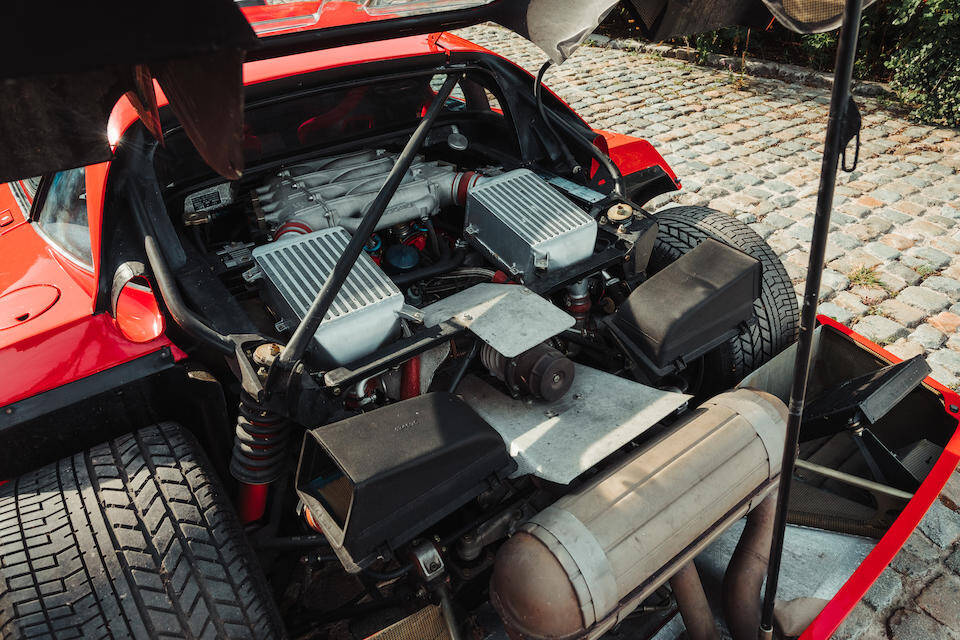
(620, 212)
(265, 354)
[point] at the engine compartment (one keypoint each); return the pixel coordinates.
(448, 227)
(514, 384)
(501, 351)
(483, 283)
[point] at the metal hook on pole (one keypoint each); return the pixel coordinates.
(833, 148)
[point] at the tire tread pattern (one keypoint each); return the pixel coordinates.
(130, 539)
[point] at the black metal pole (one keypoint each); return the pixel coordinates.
(328, 292)
(833, 147)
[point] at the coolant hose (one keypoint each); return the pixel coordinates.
(745, 573)
(692, 601)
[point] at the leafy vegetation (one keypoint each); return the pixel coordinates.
(864, 276)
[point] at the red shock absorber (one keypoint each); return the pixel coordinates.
(258, 456)
(578, 302)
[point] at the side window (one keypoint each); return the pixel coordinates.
(63, 215)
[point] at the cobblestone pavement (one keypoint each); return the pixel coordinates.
(752, 147)
(918, 596)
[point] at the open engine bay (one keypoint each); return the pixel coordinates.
(486, 376)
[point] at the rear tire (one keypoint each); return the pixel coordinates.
(775, 320)
(130, 539)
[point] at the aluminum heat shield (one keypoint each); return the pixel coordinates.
(363, 315)
(520, 222)
(558, 441)
(510, 318)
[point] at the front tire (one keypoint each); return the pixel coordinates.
(130, 539)
(776, 315)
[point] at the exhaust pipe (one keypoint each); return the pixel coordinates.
(692, 601)
(745, 573)
(578, 567)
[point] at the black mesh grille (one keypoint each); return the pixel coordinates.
(814, 11)
(809, 16)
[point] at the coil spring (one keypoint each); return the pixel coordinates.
(259, 445)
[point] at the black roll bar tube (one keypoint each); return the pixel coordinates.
(601, 158)
(833, 147)
(293, 353)
(191, 323)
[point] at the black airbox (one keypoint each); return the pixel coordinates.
(378, 479)
(692, 305)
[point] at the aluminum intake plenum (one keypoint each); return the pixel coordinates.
(336, 191)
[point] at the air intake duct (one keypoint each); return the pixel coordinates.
(581, 565)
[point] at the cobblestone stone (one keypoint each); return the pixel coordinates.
(927, 336)
(914, 625)
(901, 312)
(879, 329)
(947, 286)
(838, 313)
(941, 524)
(923, 298)
(904, 349)
(940, 600)
(945, 321)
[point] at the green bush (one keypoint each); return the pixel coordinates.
(926, 64)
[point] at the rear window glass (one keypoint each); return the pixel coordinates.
(63, 215)
(278, 128)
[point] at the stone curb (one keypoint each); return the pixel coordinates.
(758, 68)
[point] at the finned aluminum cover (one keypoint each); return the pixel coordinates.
(363, 315)
(525, 225)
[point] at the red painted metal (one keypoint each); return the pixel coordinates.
(138, 315)
(65, 342)
(26, 303)
(410, 379)
(96, 179)
(8, 203)
(890, 544)
(252, 501)
(634, 154)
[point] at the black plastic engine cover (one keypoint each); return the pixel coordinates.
(693, 304)
(379, 479)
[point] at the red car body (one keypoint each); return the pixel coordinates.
(50, 335)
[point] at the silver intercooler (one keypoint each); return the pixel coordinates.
(364, 314)
(523, 224)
